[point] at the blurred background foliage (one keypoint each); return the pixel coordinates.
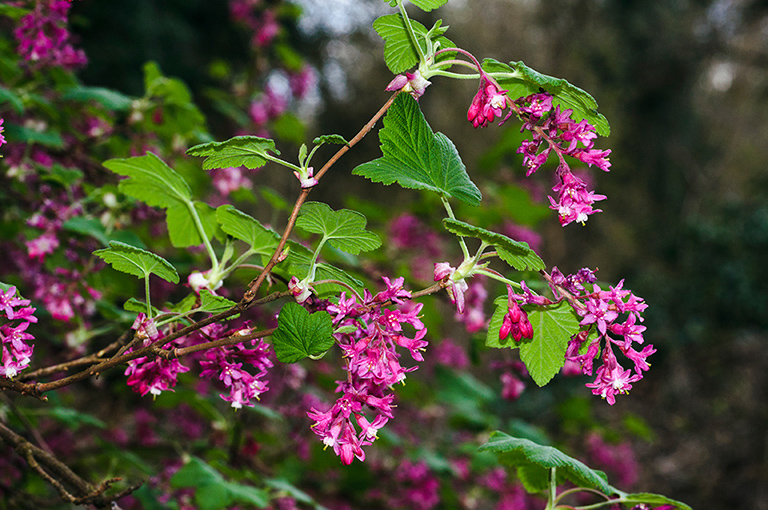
(684, 84)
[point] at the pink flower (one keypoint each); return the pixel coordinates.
(488, 103)
(515, 321)
(299, 289)
(413, 83)
(512, 386)
(44, 245)
(444, 271)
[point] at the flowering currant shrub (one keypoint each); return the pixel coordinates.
(291, 326)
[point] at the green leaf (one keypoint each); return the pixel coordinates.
(212, 496)
(129, 259)
(213, 304)
(87, 226)
(300, 334)
(151, 181)
(343, 229)
(416, 158)
(212, 491)
(652, 499)
(522, 81)
(13, 11)
(195, 473)
(181, 224)
(553, 327)
(399, 52)
(18, 133)
(8, 96)
(335, 139)
(109, 99)
(134, 305)
(299, 262)
(74, 419)
(238, 151)
(248, 494)
(63, 175)
(242, 226)
(518, 451)
(428, 5)
(515, 253)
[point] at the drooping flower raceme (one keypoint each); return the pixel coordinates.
(16, 351)
(369, 339)
(226, 364)
(44, 39)
(488, 103)
(610, 319)
(555, 130)
(152, 375)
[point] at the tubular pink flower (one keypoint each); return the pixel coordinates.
(413, 83)
(488, 103)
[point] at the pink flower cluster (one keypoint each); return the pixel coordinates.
(369, 337)
(567, 138)
(2, 138)
(226, 363)
(488, 103)
(14, 337)
(611, 319)
(263, 23)
(152, 375)
(515, 321)
(44, 39)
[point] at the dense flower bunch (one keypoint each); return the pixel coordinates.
(488, 103)
(44, 39)
(611, 319)
(222, 362)
(368, 335)
(13, 334)
(567, 138)
(147, 374)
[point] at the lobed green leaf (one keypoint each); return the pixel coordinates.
(535, 457)
(399, 51)
(343, 229)
(246, 228)
(652, 499)
(521, 81)
(248, 151)
(335, 139)
(515, 253)
(553, 326)
(150, 180)
(300, 334)
(415, 157)
(137, 262)
(109, 99)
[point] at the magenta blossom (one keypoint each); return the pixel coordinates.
(515, 320)
(488, 103)
(413, 83)
(369, 335)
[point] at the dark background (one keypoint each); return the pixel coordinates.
(685, 87)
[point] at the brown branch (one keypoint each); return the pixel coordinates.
(89, 359)
(60, 476)
(254, 286)
(100, 365)
(230, 340)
